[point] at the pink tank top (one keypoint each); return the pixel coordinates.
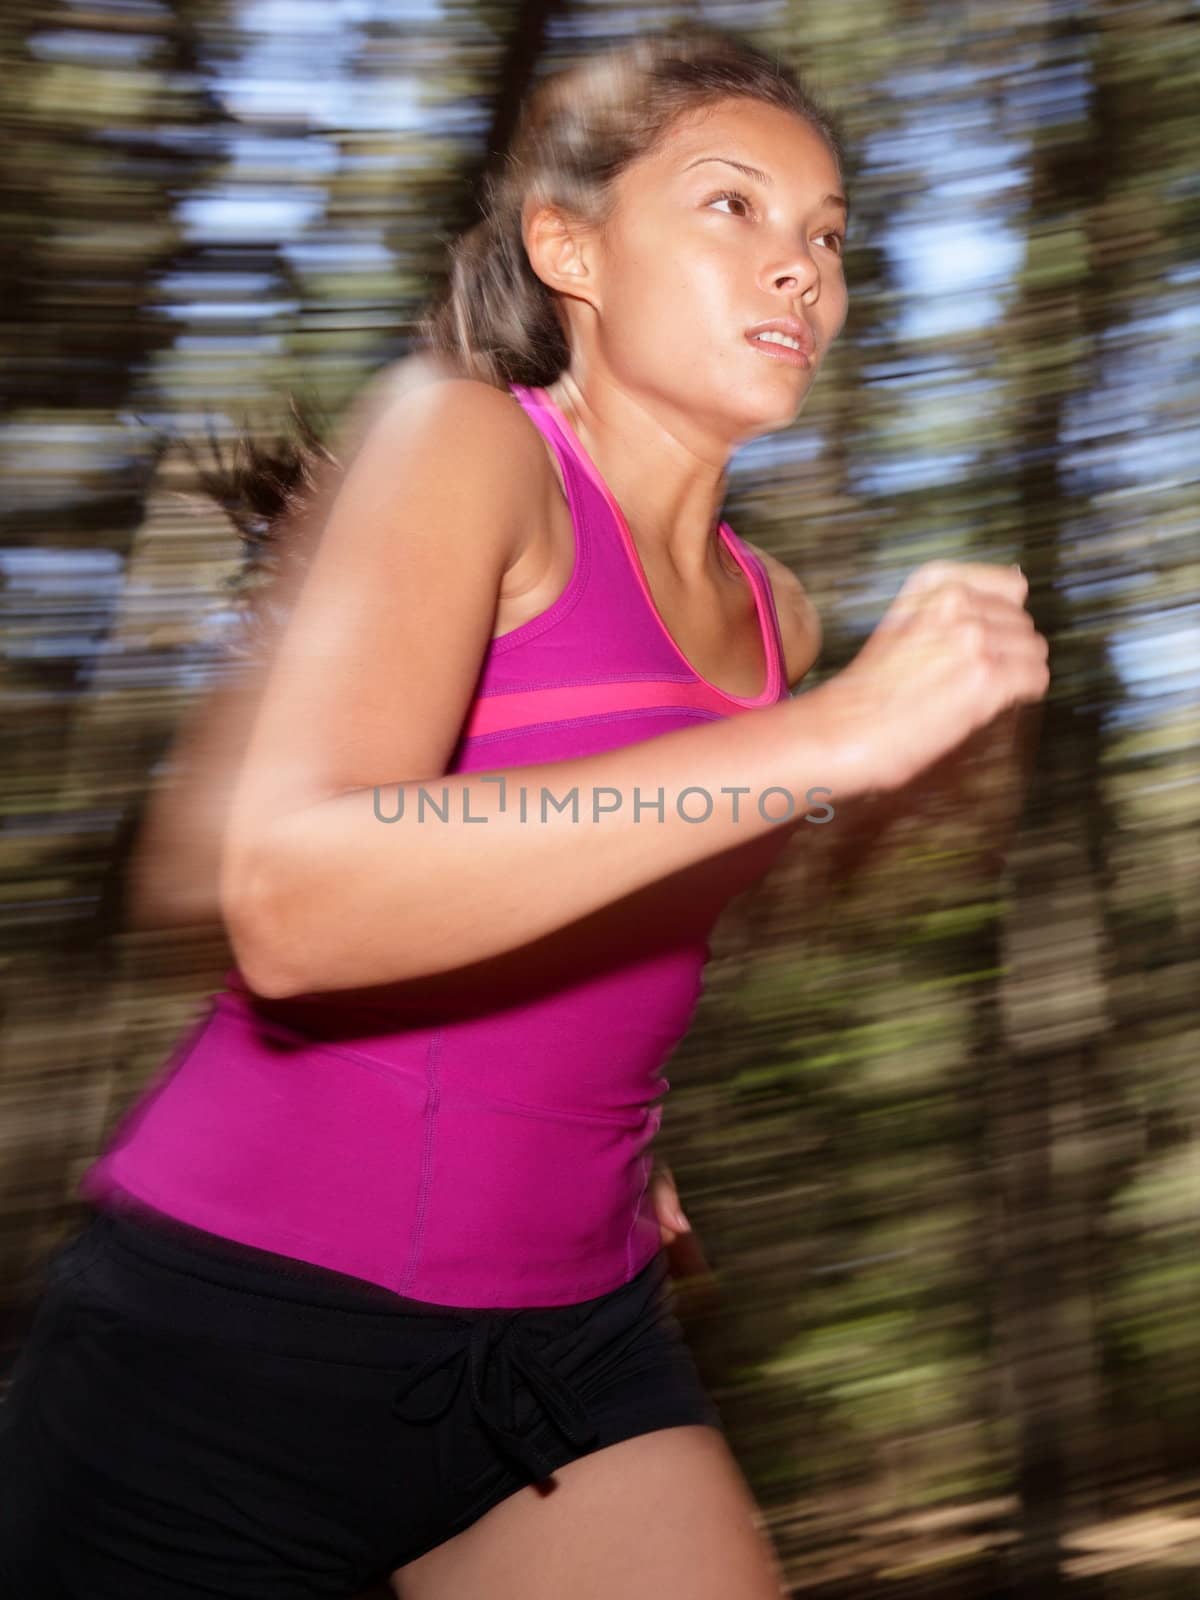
(480, 1139)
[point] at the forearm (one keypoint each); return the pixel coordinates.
(343, 897)
(172, 876)
(980, 787)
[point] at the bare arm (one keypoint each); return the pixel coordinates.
(173, 873)
(375, 672)
(172, 876)
(352, 900)
(372, 678)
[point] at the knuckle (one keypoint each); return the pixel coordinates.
(954, 598)
(927, 576)
(972, 636)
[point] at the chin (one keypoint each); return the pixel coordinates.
(765, 412)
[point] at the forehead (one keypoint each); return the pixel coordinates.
(782, 143)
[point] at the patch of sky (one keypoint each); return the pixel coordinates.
(465, 115)
(614, 23)
(771, 451)
(940, 392)
(64, 571)
(289, 19)
(924, 83)
(213, 343)
(1161, 654)
(741, 14)
(1111, 459)
(61, 432)
(949, 383)
(1127, 428)
(251, 213)
(314, 154)
(953, 272)
(185, 423)
(206, 286)
(331, 97)
(1050, 95)
(1142, 713)
(922, 469)
(153, 10)
(954, 253)
(1098, 588)
(297, 65)
(358, 253)
(231, 311)
(92, 48)
(301, 16)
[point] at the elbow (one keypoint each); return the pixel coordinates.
(258, 937)
(268, 981)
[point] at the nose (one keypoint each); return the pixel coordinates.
(798, 276)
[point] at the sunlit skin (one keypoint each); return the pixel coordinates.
(662, 384)
(662, 387)
(695, 252)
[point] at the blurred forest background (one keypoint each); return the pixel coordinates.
(937, 1125)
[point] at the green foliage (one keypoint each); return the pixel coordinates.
(938, 1114)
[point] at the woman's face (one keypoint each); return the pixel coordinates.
(696, 252)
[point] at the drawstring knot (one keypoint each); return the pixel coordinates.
(497, 1338)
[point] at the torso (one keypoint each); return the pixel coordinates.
(717, 628)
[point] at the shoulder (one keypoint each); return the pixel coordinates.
(420, 420)
(426, 394)
(799, 621)
(440, 399)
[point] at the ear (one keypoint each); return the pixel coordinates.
(562, 252)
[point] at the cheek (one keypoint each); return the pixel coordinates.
(660, 295)
(669, 304)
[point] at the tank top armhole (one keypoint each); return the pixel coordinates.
(764, 579)
(576, 582)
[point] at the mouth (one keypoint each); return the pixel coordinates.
(795, 349)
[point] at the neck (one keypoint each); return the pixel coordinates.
(667, 476)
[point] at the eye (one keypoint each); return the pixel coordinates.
(732, 194)
(834, 241)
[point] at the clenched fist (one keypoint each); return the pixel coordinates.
(956, 647)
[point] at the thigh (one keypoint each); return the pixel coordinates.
(666, 1515)
(137, 1462)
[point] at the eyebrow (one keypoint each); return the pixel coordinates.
(764, 177)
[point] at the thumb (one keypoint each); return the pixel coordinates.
(667, 1208)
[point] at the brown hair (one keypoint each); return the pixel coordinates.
(494, 319)
(577, 133)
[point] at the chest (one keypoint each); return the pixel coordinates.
(713, 623)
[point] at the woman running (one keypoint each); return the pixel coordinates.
(375, 1287)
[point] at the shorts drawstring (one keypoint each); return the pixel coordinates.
(471, 1353)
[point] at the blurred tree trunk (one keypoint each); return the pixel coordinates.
(1053, 1004)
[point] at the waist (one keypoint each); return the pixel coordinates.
(162, 1272)
(410, 1180)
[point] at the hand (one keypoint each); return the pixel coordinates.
(671, 1220)
(686, 1261)
(955, 649)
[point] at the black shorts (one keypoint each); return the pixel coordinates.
(188, 1417)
